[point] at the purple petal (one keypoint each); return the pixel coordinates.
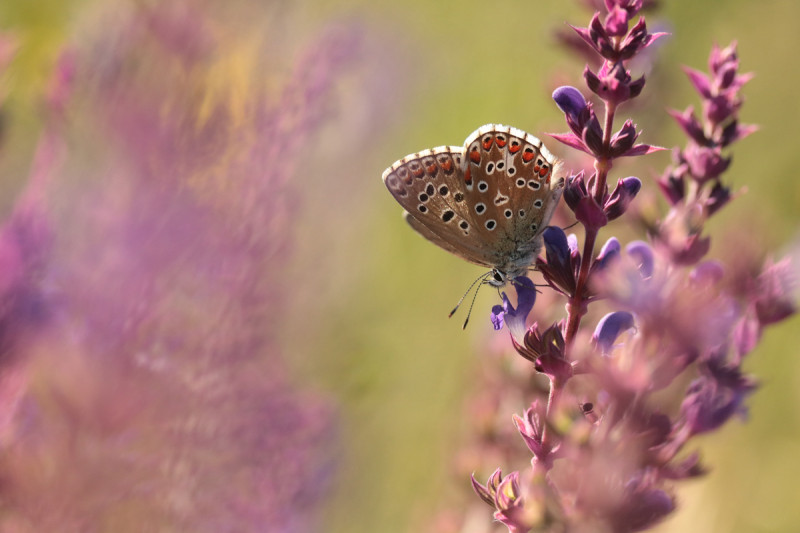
(572, 242)
(526, 295)
(674, 187)
(572, 140)
(707, 273)
(584, 34)
(625, 191)
(482, 491)
(690, 125)
(569, 100)
(609, 252)
(610, 328)
(642, 149)
(700, 81)
(642, 254)
(617, 22)
(557, 250)
(497, 316)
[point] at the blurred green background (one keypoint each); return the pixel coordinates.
(367, 325)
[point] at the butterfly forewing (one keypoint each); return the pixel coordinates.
(487, 201)
(431, 188)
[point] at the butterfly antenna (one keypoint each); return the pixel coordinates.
(571, 225)
(480, 278)
(474, 297)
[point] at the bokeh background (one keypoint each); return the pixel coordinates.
(348, 323)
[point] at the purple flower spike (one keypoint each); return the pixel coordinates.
(605, 450)
(610, 328)
(623, 195)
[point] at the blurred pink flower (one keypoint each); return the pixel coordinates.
(155, 396)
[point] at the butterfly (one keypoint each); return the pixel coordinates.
(487, 202)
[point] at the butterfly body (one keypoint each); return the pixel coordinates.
(486, 202)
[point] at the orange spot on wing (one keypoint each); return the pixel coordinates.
(432, 169)
(447, 166)
(501, 142)
(487, 143)
(514, 148)
(475, 156)
(418, 171)
(543, 171)
(527, 157)
(468, 177)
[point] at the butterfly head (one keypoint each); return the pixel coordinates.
(497, 278)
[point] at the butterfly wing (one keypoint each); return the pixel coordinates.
(486, 202)
(430, 186)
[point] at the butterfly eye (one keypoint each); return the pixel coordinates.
(498, 276)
